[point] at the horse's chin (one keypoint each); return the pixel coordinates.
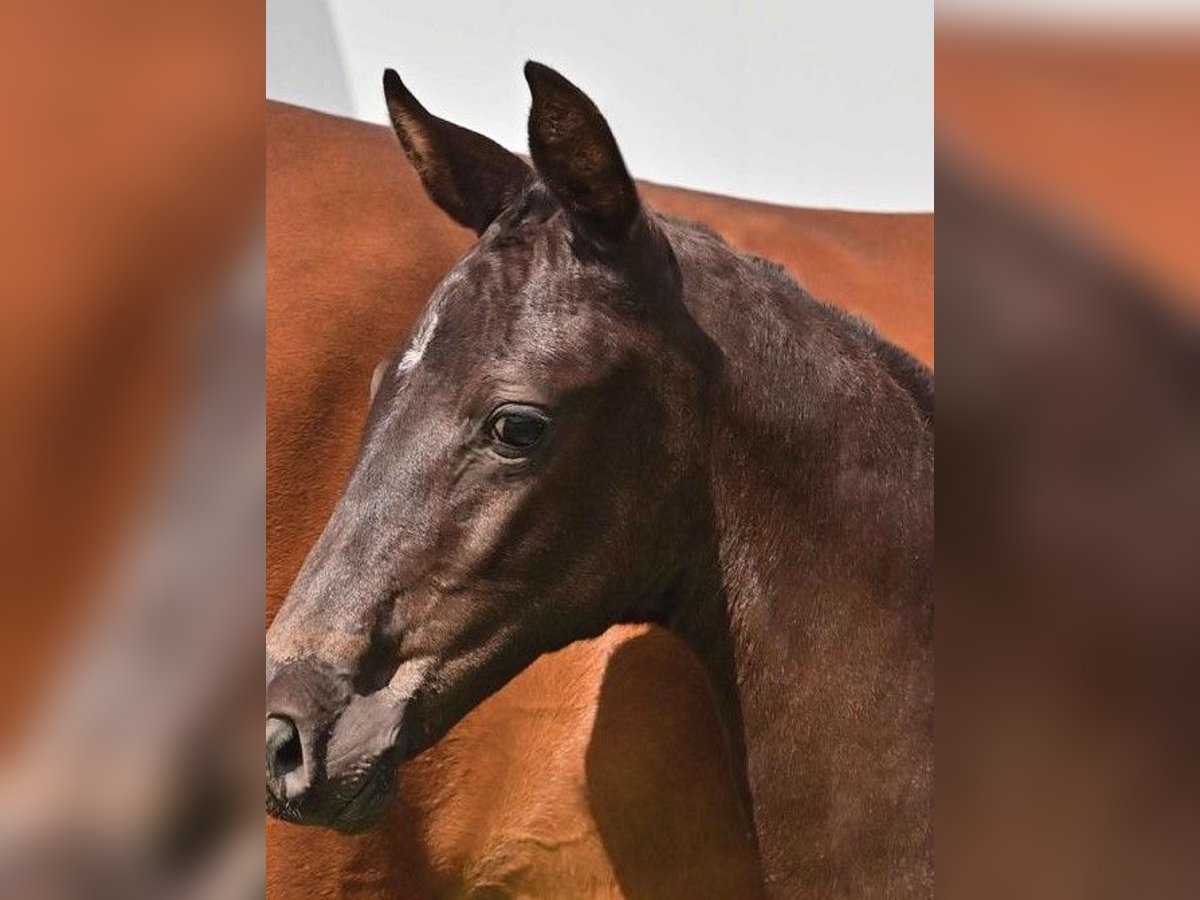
(368, 805)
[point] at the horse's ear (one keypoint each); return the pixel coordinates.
(575, 153)
(469, 176)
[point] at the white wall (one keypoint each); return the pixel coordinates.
(811, 103)
(304, 61)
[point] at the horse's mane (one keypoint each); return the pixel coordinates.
(913, 376)
(536, 205)
(909, 372)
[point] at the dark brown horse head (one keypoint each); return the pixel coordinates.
(530, 469)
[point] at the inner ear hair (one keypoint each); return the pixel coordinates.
(577, 157)
(471, 177)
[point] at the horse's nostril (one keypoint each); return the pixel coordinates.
(284, 753)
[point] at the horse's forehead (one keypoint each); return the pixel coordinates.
(511, 277)
(496, 269)
(517, 295)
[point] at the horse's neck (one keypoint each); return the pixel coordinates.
(815, 625)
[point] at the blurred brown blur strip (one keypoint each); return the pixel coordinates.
(131, 466)
(130, 172)
(1097, 125)
(1068, 600)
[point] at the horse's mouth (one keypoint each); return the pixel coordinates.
(360, 810)
(357, 756)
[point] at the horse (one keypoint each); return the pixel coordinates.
(492, 516)
(558, 785)
(612, 763)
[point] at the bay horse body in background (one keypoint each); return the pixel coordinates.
(587, 664)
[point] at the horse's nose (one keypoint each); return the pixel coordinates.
(303, 699)
(286, 775)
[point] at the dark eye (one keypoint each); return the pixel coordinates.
(517, 429)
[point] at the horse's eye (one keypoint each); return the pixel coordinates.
(517, 429)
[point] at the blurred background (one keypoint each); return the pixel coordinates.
(1068, 491)
(131, 467)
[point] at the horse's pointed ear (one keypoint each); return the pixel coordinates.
(576, 154)
(469, 176)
